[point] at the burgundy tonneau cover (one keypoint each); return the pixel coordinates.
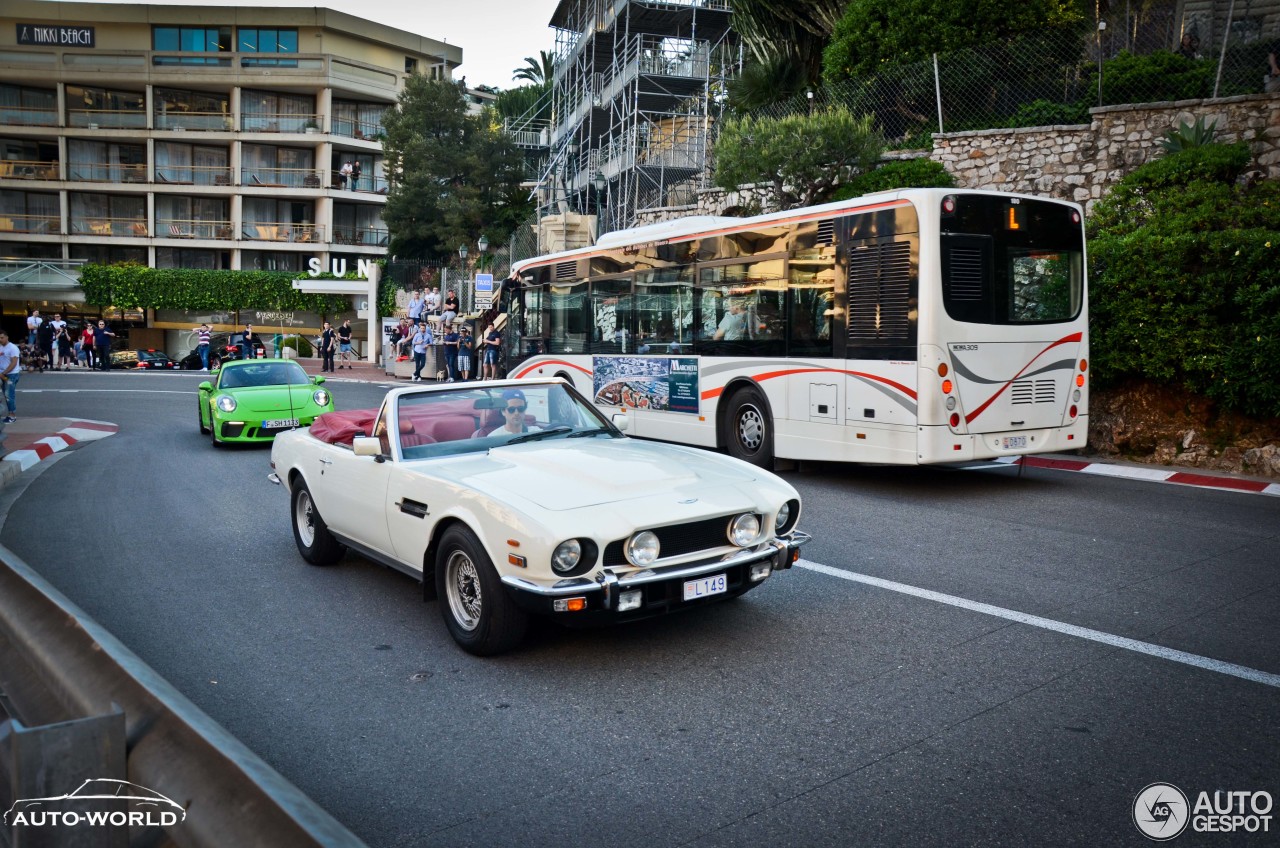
(339, 428)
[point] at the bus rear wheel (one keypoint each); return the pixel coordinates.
(748, 429)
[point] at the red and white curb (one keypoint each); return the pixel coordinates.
(43, 448)
(1154, 475)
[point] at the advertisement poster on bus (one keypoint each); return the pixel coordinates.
(666, 384)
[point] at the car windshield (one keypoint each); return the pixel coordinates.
(262, 374)
(469, 420)
(153, 355)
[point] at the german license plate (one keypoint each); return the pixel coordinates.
(1009, 442)
(705, 586)
(277, 423)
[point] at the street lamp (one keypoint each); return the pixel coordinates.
(599, 182)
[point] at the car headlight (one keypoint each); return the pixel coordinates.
(226, 403)
(744, 529)
(781, 520)
(787, 517)
(566, 556)
(320, 397)
(643, 548)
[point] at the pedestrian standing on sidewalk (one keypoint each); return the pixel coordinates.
(328, 347)
(44, 340)
(248, 343)
(86, 345)
(415, 306)
(344, 342)
(451, 353)
(10, 368)
(33, 326)
(492, 346)
(422, 342)
(202, 345)
(62, 350)
(464, 354)
(102, 345)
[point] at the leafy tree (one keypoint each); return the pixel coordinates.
(872, 33)
(1186, 279)
(453, 176)
(904, 173)
(528, 102)
(802, 158)
(537, 71)
(767, 81)
(796, 29)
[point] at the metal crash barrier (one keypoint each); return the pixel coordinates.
(82, 707)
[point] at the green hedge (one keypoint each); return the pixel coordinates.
(903, 173)
(1185, 265)
(131, 286)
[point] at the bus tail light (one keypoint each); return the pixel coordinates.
(946, 387)
(943, 370)
(1084, 365)
(1080, 381)
(1073, 410)
(955, 417)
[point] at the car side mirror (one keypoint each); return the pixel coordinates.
(317, 379)
(621, 421)
(367, 446)
(206, 386)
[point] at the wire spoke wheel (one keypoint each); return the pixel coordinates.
(463, 591)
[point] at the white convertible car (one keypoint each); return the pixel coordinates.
(517, 497)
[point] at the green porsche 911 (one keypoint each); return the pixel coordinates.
(254, 399)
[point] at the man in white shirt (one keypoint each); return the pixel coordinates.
(432, 303)
(10, 368)
(33, 326)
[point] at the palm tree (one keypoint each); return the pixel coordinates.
(798, 28)
(535, 71)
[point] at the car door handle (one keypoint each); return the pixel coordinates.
(414, 508)
(326, 462)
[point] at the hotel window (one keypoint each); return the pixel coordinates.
(268, 41)
(180, 39)
(266, 111)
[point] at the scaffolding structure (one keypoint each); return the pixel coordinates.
(638, 86)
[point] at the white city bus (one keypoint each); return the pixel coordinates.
(906, 327)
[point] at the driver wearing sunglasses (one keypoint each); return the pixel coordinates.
(513, 414)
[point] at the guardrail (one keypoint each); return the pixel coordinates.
(60, 666)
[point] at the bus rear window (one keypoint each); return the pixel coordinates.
(1012, 261)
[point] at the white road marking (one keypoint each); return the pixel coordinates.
(1207, 663)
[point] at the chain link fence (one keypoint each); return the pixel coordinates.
(1149, 54)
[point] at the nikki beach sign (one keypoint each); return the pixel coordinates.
(56, 35)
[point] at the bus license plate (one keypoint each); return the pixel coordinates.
(277, 423)
(705, 586)
(1010, 442)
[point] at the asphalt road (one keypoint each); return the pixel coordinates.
(818, 710)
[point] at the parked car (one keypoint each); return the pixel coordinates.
(254, 400)
(156, 360)
(517, 497)
(223, 347)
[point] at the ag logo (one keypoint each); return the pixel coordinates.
(1160, 811)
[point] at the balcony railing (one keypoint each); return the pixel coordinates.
(262, 231)
(372, 183)
(201, 121)
(208, 175)
(273, 123)
(370, 130)
(185, 228)
(28, 169)
(363, 236)
(28, 116)
(31, 224)
(133, 119)
(106, 172)
(282, 177)
(114, 227)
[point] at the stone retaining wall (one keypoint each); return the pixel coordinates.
(1078, 162)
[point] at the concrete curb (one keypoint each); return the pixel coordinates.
(35, 440)
(1148, 473)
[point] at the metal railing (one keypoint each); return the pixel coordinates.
(282, 177)
(31, 224)
(188, 228)
(212, 175)
(203, 121)
(361, 236)
(370, 130)
(113, 227)
(282, 232)
(370, 183)
(114, 119)
(28, 169)
(28, 116)
(106, 172)
(280, 122)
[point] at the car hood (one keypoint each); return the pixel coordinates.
(565, 474)
(269, 399)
